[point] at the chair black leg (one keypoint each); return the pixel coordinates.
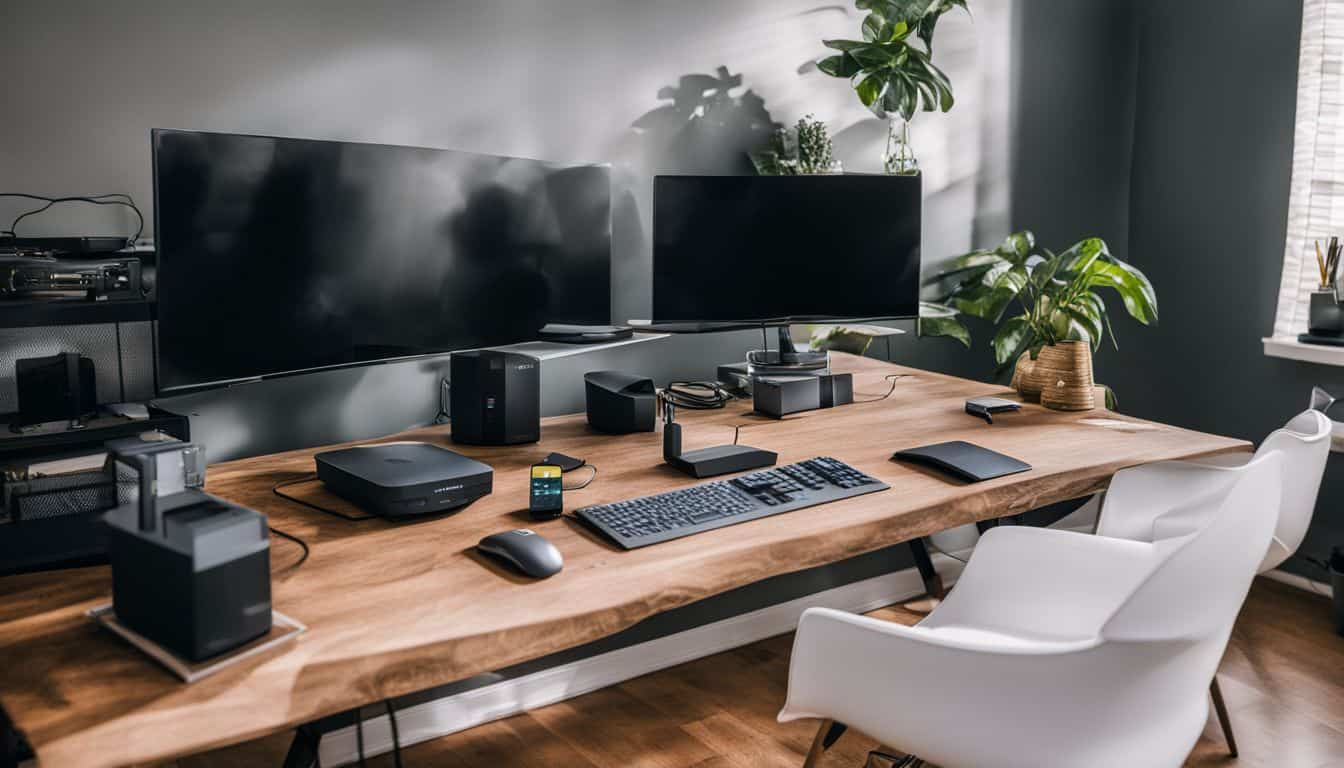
(833, 735)
(1220, 709)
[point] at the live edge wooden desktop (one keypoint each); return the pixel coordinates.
(398, 608)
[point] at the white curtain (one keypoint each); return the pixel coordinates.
(1316, 199)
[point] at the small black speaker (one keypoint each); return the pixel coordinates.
(496, 398)
(620, 402)
(778, 396)
(53, 388)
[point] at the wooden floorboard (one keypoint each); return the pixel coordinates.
(1282, 677)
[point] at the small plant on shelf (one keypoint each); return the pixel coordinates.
(807, 151)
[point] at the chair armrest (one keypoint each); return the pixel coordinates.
(1138, 496)
(910, 688)
(1045, 584)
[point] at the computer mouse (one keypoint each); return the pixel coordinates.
(525, 550)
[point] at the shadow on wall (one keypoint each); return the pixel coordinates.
(703, 129)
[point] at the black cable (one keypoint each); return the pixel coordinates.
(736, 429)
(891, 377)
(308, 479)
(585, 483)
(396, 736)
(296, 540)
(121, 199)
(697, 395)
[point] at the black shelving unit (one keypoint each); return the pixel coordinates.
(27, 313)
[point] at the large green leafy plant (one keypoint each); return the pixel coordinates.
(1056, 296)
(889, 72)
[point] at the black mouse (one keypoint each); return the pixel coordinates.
(525, 550)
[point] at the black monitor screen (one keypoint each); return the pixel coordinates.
(283, 255)
(762, 248)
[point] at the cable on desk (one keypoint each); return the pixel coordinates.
(891, 377)
(396, 735)
(296, 540)
(585, 483)
(696, 395)
(276, 489)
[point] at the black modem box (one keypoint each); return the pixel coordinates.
(399, 480)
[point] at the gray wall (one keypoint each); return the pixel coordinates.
(651, 87)
(1167, 129)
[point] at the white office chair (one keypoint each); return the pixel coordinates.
(1055, 648)
(1304, 442)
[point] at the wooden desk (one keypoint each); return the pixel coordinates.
(396, 608)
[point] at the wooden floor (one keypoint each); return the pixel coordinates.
(1283, 679)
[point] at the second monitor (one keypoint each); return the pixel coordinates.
(777, 249)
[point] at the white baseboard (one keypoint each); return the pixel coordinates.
(1301, 582)
(458, 712)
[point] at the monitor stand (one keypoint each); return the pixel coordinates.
(787, 359)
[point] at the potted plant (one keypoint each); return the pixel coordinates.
(1062, 317)
(893, 76)
(807, 151)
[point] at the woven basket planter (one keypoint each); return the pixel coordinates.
(1064, 371)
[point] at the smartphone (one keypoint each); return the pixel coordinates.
(544, 500)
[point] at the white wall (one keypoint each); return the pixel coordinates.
(563, 80)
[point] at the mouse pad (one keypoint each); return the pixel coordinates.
(963, 460)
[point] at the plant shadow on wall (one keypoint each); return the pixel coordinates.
(704, 128)
(707, 123)
(1062, 319)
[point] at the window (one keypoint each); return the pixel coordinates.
(1316, 198)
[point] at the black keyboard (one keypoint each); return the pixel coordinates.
(653, 519)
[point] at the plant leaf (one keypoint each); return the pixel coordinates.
(1135, 291)
(1018, 244)
(839, 65)
(843, 45)
(939, 320)
(869, 89)
(1012, 336)
(872, 57)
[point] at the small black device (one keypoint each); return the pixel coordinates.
(565, 463)
(708, 462)
(779, 396)
(653, 519)
(72, 245)
(190, 572)
(545, 499)
(620, 402)
(584, 334)
(407, 479)
(964, 460)
(986, 407)
(60, 387)
(495, 398)
(24, 277)
(525, 550)
(836, 389)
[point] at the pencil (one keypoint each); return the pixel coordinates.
(1320, 263)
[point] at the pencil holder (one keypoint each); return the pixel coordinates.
(1324, 317)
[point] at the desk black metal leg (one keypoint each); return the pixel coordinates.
(14, 751)
(933, 583)
(303, 749)
(985, 525)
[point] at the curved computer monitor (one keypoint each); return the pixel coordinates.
(779, 249)
(280, 255)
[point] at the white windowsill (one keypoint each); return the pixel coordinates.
(1293, 349)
